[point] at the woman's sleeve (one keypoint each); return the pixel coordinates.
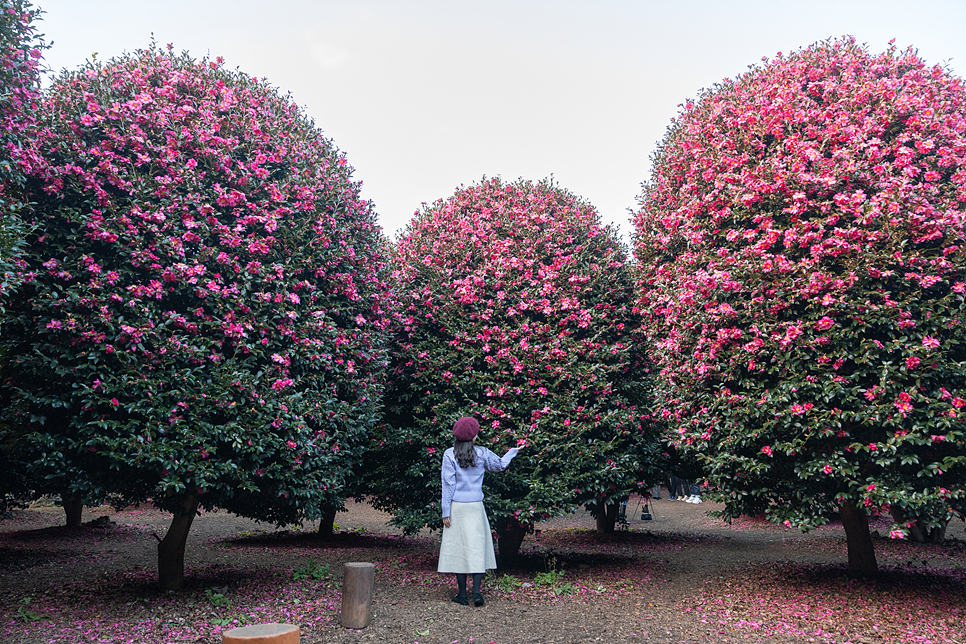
(448, 476)
(494, 463)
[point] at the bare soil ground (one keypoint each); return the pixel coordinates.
(680, 577)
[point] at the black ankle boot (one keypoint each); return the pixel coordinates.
(478, 599)
(461, 599)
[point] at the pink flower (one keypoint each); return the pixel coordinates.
(897, 534)
(825, 323)
(903, 407)
(281, 384)
(957, 402)
(930, 342)
(115, 402)
(912, 362)
(827, 469)
(766, 450)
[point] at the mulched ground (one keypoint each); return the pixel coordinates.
(681, 577)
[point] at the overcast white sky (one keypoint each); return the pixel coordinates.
(424, 96)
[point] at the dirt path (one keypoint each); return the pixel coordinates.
(681, 577)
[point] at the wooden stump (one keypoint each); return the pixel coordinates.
(263, 634)
(357, 585)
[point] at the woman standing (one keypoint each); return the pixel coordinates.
(467, 547)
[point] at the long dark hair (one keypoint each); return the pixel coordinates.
(465, 453)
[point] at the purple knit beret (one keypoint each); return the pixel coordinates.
(466, 429)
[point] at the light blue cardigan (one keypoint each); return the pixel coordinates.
(465, 484)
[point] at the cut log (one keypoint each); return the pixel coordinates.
(357, 586)
(263, 634)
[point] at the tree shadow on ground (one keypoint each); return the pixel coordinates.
(87, 533)
(18, 559)
(347, 540)
(834, 583)
(119, 587)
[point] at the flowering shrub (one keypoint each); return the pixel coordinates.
(21, 50)
(801, 245)
(515, 307)
(202, 315)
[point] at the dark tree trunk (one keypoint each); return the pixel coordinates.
(938, 535)
(606, 516)
(510, 538)
(73, 508)
(171, 548)
(859, 539)
(917, 532)
(327, 523)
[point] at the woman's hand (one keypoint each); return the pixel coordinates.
(446, 522)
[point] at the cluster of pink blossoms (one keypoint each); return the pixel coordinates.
(803, 241)
(21, 53)
(515, 306)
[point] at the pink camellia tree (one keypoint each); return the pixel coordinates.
(21, 50)
(201, 321)
(802, 256)
(515, 306)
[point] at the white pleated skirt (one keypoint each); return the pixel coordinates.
(467, 545)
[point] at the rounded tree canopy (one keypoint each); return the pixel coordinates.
(515, 307)
(802, 268)
(203, 306)
(21, 52)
